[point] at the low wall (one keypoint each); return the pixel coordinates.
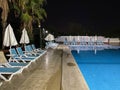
(114, 41)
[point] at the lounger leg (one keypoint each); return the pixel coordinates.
(1, 76)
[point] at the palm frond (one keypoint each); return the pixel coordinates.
(26, 17)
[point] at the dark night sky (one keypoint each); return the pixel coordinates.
(94, 14)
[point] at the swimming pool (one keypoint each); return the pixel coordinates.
(101, 70)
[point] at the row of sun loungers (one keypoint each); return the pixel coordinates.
(99, 45)
(83, 43)
(18, 61)
(51, 45)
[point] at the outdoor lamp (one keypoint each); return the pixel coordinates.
(46, 31)
(40, 36)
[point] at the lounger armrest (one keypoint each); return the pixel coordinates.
(10, 55)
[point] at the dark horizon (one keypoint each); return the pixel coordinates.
(94, 16)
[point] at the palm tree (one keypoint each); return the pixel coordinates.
(5, 10)
(30, 10)
(4, 13)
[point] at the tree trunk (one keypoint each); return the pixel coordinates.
(5, 9)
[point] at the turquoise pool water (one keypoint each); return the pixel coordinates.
(101, 70)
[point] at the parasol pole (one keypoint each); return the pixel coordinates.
(9, 36)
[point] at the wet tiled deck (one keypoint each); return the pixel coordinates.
(56, 70)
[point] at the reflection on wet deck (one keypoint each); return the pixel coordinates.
(56, 70)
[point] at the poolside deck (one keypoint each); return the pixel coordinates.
(56, 70)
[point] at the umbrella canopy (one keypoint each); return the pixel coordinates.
(95, 38)
(9, 37)
(24, 38)
(70, 38)
(49, 37)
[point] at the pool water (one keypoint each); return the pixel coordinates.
(100, 69)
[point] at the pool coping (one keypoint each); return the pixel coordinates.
(72, 78)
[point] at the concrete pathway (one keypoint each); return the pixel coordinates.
(47, 75)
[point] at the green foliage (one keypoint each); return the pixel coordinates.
(26, 17)
(36, 8)
(29, 8)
